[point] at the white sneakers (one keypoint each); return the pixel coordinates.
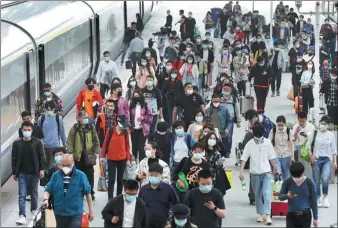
(325, 202)
(21, 220)
(34, 213)
(266, 219)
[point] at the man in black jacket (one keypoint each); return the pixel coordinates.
(28, 165)
(128, 36)
(126, 210)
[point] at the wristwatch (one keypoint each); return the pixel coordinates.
(215, 209)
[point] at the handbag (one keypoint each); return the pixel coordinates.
(85, 220)
(222, 182)
(228, 173)
(183, 178)
(102, 183)
(90, 158)
(291, 96)
(128, 64)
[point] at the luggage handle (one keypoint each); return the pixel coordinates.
(42, 208)
(278, 177)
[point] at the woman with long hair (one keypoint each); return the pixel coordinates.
(195, 128)
(145, 69)
(212, 153)
(141, 118)
(190, 72)
(178, 63)
(153, 155)
(307, 83)
(132, 86)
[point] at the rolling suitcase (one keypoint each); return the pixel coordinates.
(278, 208)
(246, 103)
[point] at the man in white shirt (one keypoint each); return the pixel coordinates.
(261, 153)
(126, 210)
(106, 73)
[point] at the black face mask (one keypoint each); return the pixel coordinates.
(137, 99)
(90, 87)
(119, 93)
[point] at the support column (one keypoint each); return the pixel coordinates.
(317, 39)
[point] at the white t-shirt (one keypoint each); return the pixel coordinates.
(137, 115)
(260, 156)
(128, 213)
(308, 129)
(181, 149)
(325, 144)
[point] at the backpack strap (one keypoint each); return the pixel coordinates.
(288, 132)
(313, 140)
(274, 135)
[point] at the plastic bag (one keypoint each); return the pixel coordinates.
(85, 220)
(102, 183)
(291, 96)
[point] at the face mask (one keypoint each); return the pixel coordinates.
(66, 170)
(46, 93)
(180, 223)
(226, 51)
(189, 15)
(261, 64)
(297, 179)
(154, 180)
(204, 46)
(198, 40)
(190, 61)
(179, 132)
(207, 37)
(199, 119)
(205, 188)
(148, 55)
(259, 40)
(58, 159)
(149, 154)
(90, 87)
(137, 99)
(333, 77)
(188, 49)
(226, 94)
(27, 134)
(309, 22)
(197, 156)
(297, 45)
(309, 66)
(168, 68)
(85, 121)
(276, 49)
(212, 142)
(216, 105)
(144, 63)
(210, 46)
(130, 198)
(150, 83)
(119, 93)
(106, 58)
(190, 91)
(165, 60)
(280, 128)
(161, 132)
(323, 127)
(238, 53)
(132, 84)
(173, 76)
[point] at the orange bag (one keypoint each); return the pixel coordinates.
(298, 104)
(85, 220)
(291, 96)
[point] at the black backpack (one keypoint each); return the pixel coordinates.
(274, 134)
(43, 117)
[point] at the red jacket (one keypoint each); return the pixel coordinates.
(240, 35)
(177, 65)
(118, 146)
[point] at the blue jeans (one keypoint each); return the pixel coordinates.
(25, 180)
(297, 149)
(321, 170)
(261, 185)
(283, 166)
(74, 221)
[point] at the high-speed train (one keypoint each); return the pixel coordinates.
(60, 42)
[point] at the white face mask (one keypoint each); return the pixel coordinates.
(333, 77)
(188, 49)
(310, 66)
(190, 91)
(66, 170)
(149, 153)
(190, 61)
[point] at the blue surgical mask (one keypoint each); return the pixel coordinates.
(132, 83)
(323, 127)
(85, 121)
(46, 93)
(58, 159)
(261, 64)
(205, 188)
(207, 37)
(130, 198)
(212, 142)
(180, 223)
(199, 119)
(149, 83)
(50, 113)
(107, 58)
(168, 67)
(179, 132)
(27, 134)
(226, 94)
(197, 156)
(173, 76)
(154, 180)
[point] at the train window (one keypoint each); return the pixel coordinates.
(112, 29)
(133, 7)
(68, 59)
(13, 90)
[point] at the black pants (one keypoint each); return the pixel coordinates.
(308, 100)
(261, 94)
(134, 59)
(251, 193)
(137, 144)
(88, 170)
(156, 226)
(276, 79)
(333, 113)
(296, 86)
(104, 88)
(241, 88)
(223, 30)
(294, 220)
(115, 169)
(246, 37)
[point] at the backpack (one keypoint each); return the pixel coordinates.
(57, 118)
(268, 125)
(274, 134)
(304, 153)
(110, 134)
(187, 139)
(288, 183)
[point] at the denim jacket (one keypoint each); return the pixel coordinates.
(224, 118)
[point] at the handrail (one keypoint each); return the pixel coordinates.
(12, 4)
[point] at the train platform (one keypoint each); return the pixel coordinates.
(238, 211)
